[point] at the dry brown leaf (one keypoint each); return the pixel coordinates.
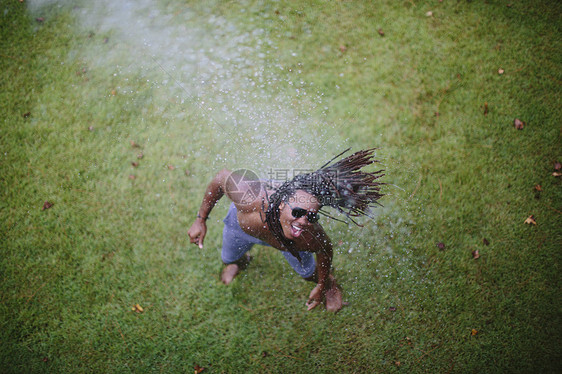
(135, 164)
(26, 114)
(501, 71)
(171, 167)
(343, 48)
(557, 165)
(556, 174)
(531, 220)
(518, 124)
(475, 254)
(429, 14)
(381, 33)
(198, 369)
(485, 108)
(485, 241)
(134, 145)
(474, 332)
(538, 188)
(47, 205)
(137, 308)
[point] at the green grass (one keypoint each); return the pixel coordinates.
(71, 274)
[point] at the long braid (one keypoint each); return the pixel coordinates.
(341, 185)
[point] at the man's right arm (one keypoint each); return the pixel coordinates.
(213, 193)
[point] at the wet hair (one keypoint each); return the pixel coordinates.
(341, 185)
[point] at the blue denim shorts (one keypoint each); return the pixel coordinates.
(235, 243)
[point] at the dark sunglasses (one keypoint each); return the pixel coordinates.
(300, 212)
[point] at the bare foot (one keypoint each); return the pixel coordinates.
(229, 272)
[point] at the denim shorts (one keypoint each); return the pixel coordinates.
(235, 243)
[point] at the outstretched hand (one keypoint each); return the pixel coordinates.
(197, 232)
(330, 294)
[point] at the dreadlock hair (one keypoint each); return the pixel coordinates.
(341, 185)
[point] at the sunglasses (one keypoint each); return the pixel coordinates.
(300, 212)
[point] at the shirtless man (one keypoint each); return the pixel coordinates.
(286, 218)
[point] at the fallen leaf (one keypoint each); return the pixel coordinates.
(486, 109)
(45, 359)
(538, 187)
(107, 256)
(518, 124)
(531, 220)
(381, 33)
(475, 254)
(26, 114)
(47, 205)
(113, 92)
(135, 164)
(556, 174)
(343, 48)
(397, 363)
(198, 369)
(441, 246)
(474, 332)
(171, 167)
(485, 241)
(557, 165)
(501, 71)
(429, 14)
(137, 308)
(134, 145)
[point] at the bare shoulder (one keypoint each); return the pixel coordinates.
(315, 240)
(245, 190)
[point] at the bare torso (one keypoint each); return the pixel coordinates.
(251, 218)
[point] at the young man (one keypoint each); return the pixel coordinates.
(286, 218)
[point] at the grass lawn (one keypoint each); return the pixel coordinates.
(115, 115)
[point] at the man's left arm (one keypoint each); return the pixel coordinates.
(327, 288)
